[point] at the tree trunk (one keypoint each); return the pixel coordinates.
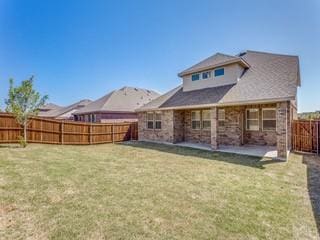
(25, 132)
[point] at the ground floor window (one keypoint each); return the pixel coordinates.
(150, 120)
(154, 120)
(206, 119)
(252, 119)
(269, 119)
(157, 120)
(92, 118)
(196, 119)
(221, 117)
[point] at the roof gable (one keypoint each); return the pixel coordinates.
(215, 60)
(62, 110)
(271, 77)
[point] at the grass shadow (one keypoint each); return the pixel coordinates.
(313, 177)
(249, 161)
(9, 146)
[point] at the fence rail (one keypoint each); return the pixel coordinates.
(43, 130)
(306, 136)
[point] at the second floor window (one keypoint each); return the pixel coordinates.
(219, 72)
(195, 77)
(206, 75)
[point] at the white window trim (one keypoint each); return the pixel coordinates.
(214, 75)
(200, 76)
(221, 120)
(155, 121)
(275, 119)
(197, 129)
(147, 120)
(224, 114)
(256, 109)
(205, 119)
(210, 72)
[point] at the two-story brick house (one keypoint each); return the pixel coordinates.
(250, 98)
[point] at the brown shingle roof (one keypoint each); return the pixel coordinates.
(62, 110)
(215, 60)
(126, 99)
(49, 106)
(269, 77)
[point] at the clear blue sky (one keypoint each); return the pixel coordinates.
(84, 49)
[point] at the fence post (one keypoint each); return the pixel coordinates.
(61, 132)
(41, 135)
(112, 132)
(318, 137)
(90, 134)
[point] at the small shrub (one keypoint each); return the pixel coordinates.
(22, 141)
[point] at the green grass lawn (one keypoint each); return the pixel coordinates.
(150, 191)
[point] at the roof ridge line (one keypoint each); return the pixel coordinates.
(271, 53)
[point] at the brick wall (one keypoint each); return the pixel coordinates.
(179, 125)
(176, 127)
(260, 137)
(234, 132)
(195, 135)
(165, 134)
(283, 129)
(229, 131)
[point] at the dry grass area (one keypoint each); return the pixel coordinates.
(150, 191)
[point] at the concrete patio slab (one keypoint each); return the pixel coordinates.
(250, 150)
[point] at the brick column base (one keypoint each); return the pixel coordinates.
(214, 127)
(282, 130)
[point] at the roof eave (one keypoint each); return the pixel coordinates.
(239, 103)
(101, 111)
(242, 62)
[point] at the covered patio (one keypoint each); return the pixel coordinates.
(249, 150)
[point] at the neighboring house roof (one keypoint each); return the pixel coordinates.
(49, 106)
(215, 60)
(126, 99)
(63, 111)
(270, 77)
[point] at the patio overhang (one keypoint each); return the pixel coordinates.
(249, 150)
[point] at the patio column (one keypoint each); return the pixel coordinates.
(214, 127)
(282, 130)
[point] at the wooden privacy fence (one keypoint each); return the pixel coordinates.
(42, 130)
(306, 136)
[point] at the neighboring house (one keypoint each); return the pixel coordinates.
(48, 107)
(228, 100)
(64, 112)
(116, 106)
